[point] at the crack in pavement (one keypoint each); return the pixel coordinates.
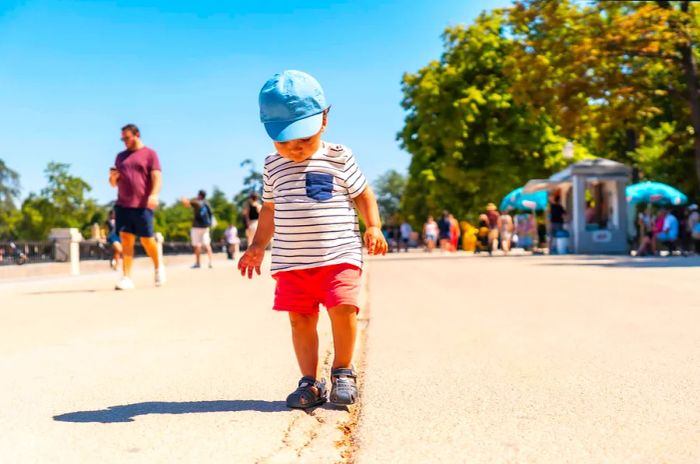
(327, 433)
(348, 445)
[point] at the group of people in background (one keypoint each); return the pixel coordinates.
(200, 233)
(136, 174)
(399, 237)
(445, 233)
(494, 230)
(676, 230)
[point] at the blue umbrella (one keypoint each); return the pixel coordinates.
(517, 200)
(654, 192)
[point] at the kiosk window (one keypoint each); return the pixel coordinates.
(601, 205)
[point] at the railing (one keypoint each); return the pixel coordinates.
(94, 250)
(21, 252)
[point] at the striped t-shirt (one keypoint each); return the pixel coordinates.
(315, 219)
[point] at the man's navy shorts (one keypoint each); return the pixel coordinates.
(136, 221)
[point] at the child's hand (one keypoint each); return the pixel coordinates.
(251, 259)
(375, 241)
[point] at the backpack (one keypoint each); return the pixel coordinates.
(205, 215)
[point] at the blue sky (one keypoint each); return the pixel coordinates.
(72, 72)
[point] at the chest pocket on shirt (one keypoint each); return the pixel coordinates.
(319, 186)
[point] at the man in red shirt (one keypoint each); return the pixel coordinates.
(137, 176)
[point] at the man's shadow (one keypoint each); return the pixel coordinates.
(127, 412)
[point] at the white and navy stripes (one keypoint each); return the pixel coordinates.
(315, 219)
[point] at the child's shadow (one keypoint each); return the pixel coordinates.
(127, 412)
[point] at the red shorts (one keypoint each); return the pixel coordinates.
(301, 291)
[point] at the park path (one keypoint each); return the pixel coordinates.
(532, 360)
(463, 359)
(196, 371)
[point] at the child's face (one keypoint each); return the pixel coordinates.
(299, 150)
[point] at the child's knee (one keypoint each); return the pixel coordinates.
(344, 310)
(303, 321)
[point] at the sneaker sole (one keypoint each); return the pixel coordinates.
(342, 403)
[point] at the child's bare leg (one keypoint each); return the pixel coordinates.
(344, 324)
(305, 339)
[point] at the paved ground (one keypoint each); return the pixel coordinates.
(468, 359)
(196, 371)
(533, 360)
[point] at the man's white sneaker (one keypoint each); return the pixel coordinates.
(124, 284)
(160, 276)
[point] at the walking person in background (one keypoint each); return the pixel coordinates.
(494, 220)
(684, 236)
(430, 234)
(251, 215)
(232, 241)
(392, 235)
(694, 227)
(668, 229)
(507, 229)
(482, 235)
(557, 216)
(659, 227)
(454, 233)
(526, 230)
(113, 240)
(444, 227)
(406, 231)
(645, 223)
(201, 224)
(136, 174)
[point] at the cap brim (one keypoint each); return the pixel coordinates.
(290, 130)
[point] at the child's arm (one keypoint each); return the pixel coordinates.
(253, 256)
(369, 212)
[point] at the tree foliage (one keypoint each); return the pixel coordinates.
(608, 73)
(470, 141)
(9, 187)
(9, 194)
(389, 189)
(64, 202)
(617, 78)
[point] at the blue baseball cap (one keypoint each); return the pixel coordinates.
(291, 106)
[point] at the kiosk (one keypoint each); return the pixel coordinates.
(593, 193)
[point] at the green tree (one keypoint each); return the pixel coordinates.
(225, 211)
(62, 203)
(389, 189)
(9, 194)
(470, 142)
(174, 222)
(609, 74)
(9, 187)
(253, 182)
